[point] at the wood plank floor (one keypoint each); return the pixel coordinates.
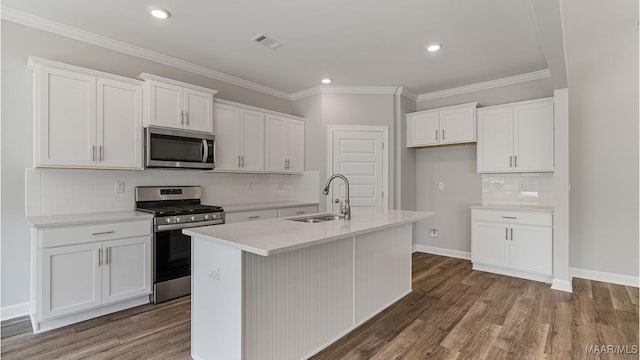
(452, 313)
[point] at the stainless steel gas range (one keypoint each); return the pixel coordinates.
(175, 208)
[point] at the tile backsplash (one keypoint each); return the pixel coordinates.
(73, 191)
(518, 189)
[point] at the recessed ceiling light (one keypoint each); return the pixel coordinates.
(434, 47)
(326, 81)
(160, 13)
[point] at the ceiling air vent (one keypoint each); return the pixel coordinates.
(264, 40)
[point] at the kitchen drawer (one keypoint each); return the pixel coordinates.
(94, 232)
(250, 215)
(301, 210)
(513, 217)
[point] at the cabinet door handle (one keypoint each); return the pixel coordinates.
(186, 116)
(242, 160)
(515, 160)
(99, 257)
(93, 153)
(103, 232)
(506, 233)
(101, 153)
(511, 234)
(181, 117)
(510, 161)
(108, 257)
(239, 161)
(436, 134)
(254, 217)
(442, 134)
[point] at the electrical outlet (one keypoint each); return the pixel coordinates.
(433, 232)
(214, 273)
(441, 185)
(119, 187)
(523, 186)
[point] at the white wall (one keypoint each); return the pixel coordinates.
(19, 42)
(603, 128)
(342, 109)
(405, 158)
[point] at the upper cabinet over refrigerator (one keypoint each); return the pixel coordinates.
(174, 104)
(449, 125)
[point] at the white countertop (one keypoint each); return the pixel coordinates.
(232, 208)
(90, 218)
(514, 207)
(272, 236)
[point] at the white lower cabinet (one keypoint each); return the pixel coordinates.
(87, 271)
(301, 210)
(512, 243)
(236, 217)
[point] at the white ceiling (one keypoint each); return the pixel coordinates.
(355, 42)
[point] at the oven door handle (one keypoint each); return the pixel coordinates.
(205, 150)
(169, 227)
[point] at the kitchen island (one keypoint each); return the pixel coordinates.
(282, 289)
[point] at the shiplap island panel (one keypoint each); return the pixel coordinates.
(280, 289)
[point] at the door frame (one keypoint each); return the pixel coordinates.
(331, 129)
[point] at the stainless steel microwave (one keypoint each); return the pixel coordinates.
(175, 148)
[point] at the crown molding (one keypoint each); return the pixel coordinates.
(108, 43)
(408, 93)
(516, 79)
(361, 90)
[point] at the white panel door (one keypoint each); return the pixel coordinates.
(67, 119)
(533, 133)
(531, 248)
(276, 143)
(358, 156)
(227, 131)
(252, 130)
(119, 124)
(198, 114)
(489, 243)
(495, 140)
(71, 279)
(165, 105)
(457, 125)
(127, 265)
(295, 146)
(425, 129)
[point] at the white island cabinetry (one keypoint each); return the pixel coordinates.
(281, 289)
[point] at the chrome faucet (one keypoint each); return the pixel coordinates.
(346, 210)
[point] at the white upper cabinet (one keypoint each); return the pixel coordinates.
(285, 144)
(174, 104)
(239, 138)
(85, 118)
(516, 137)
(450, 125)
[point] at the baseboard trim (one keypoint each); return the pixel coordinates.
(14, 311)
(562, 285)
(442, 251)
(513, 273)
(619, 279)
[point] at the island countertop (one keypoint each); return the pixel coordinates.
(273, 236)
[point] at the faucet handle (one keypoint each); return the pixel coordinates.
(338, 201)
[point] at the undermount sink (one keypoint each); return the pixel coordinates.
(318, 218)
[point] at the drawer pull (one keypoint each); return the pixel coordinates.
(509, 217)
(300, 212)
(103, 233)
(254, 217)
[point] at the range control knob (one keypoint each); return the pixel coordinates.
(177, 219)
(193, 218)
(168, 220)
(206, 216)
